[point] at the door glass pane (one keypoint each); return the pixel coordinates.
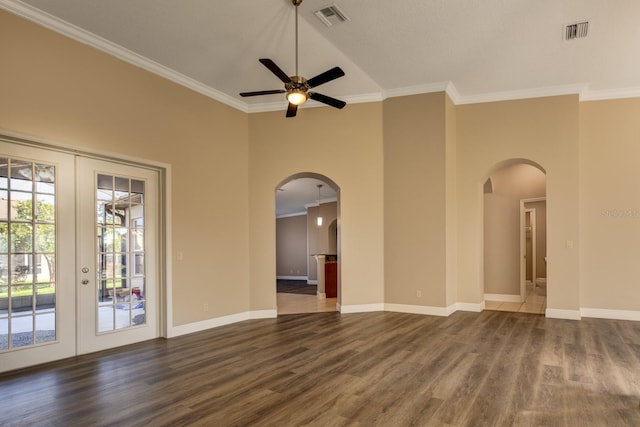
(27, 253)
(120, 244)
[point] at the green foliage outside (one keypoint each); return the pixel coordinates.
(22, 242)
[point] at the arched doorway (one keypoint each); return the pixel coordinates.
(514, 205)
(307, 244)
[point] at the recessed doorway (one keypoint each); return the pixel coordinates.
(515, 274)
(307, 244)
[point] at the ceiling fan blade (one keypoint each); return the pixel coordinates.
(275, 69)
(263, 92)
(327, 100)
(325, 77)
(292, 110)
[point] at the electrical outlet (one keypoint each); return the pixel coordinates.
(180, 256)
(418, 293)
(205, 306)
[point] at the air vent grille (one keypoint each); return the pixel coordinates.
(576, 31)
(331, 15)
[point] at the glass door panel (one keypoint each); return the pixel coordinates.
(118, 258)
(37, 289)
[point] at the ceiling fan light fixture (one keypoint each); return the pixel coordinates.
(297, 97)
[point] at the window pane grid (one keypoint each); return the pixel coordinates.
(27, 254)
(120, 248)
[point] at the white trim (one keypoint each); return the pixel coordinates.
(263, 314)
(417, 309)
(502, 297)
(312, 282)
(291, 214)
(534, 199)
(467, 306)
(166, 292)
(203, 325)
(601, 95)
(322, 201)
(604, 313)
(361, 308)
(292, 278)
(541, 92)
(419, 89)
(555, 313)
(321, 295)
(83, 36)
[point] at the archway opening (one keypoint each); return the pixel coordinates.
(307, 244)
(515, 235)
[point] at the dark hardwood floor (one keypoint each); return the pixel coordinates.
(369, 369)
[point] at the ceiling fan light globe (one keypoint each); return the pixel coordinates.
(296, 97)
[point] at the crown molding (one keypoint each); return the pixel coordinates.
(417, 90)
(76, 33)
(289, 215)
(65, 28)
(601, 95)
(541, 92)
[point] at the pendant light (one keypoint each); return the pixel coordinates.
(319, 219)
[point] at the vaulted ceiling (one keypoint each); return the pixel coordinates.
(477, 50)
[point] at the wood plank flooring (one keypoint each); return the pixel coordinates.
(330, 369)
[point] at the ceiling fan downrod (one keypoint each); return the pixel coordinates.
(296, 3)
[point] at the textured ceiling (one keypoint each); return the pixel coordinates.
(479, 50)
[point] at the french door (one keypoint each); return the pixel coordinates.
(78, 255)
(118, 292)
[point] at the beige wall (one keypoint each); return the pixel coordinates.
(610, 204)
(501, 245)
(542, 130)
(57, 89)
(291, 246)
(343, 145)
(415, 198)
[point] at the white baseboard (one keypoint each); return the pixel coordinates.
(603, 313)
(468, 306)
(555, 313)
(312, 282)
(203, 325)
(502, 297)
(417, 309)
(291, 277)
(263, 314)
(361, 308)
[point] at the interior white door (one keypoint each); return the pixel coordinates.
(118, 290)
(37, 256)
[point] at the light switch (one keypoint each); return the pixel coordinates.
(180, 256)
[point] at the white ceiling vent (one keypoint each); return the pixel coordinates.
(578, 30)
(331, 15)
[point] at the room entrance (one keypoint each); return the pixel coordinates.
(515, 238)
(307, 244)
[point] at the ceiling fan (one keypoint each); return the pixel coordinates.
(298, 88)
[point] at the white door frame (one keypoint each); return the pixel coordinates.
(523, 245)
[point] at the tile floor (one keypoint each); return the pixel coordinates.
(535, 302)
(297, 303)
